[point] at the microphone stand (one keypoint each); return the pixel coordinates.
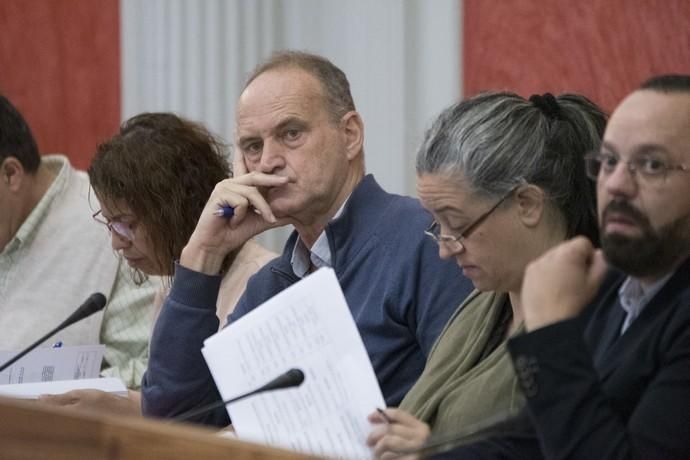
(94, 303)
(209, 407)
(289, 379)
(31, 347)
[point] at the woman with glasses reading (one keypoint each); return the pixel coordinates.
(505, 180)
(153, 179)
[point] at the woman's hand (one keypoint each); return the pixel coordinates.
(96, 401)
(400, 432)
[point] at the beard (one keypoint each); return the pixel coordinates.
(654, 252)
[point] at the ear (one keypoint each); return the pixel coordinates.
(531, 202)
(12, 173)
(353, 130)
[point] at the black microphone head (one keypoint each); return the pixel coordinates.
(292, 378)
(95, 302)
(296, 376)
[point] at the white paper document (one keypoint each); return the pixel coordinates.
(307, 326)
(50, 364)
(34, 390)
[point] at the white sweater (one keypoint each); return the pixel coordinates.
(63, 258)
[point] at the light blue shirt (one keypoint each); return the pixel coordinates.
(319, 256)
(634, 297)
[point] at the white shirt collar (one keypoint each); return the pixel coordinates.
(319, 255)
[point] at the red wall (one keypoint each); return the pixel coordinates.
(60, 65)
(601, 48)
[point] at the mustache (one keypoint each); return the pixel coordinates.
(624, 208)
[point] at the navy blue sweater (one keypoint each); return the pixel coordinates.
(399, 291)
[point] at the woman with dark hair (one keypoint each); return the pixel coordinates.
(505, 180)
(152, 180)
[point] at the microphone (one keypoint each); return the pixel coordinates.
(94, 303)
(289, 379)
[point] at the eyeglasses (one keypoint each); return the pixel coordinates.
(649, 168)
(122, 229)
(434, 230)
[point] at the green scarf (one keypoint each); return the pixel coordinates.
(458, 388)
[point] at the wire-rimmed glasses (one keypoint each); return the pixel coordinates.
(123, 229)
(649, 168)
(434, 230)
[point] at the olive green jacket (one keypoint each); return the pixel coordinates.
(458, 388)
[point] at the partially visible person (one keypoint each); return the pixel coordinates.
(301, 141)
(53, 256)
(504, 178)
(613, 380)
(153, 179)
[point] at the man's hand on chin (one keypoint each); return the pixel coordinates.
(215, 236)
(558, 285)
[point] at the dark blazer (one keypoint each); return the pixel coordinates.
(593, 393)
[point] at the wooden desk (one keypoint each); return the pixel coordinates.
(32, 431)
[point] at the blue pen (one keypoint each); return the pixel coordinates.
(225, 211)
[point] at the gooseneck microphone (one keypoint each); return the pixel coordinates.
(289, 379)
(94, 303)
(501, 423)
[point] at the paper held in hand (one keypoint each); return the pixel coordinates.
(307, 326)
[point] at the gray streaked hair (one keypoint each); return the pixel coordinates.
(496, 140)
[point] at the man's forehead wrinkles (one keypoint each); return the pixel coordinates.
(249, 126)
(272, 116)
(643, 148)
(294, 104)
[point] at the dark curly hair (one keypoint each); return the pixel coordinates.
(164, 168)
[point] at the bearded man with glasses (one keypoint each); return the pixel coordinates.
(612, 379)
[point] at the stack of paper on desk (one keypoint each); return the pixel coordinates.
(56, 371)
(307, 326)
(49, 364)
(34, 390)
